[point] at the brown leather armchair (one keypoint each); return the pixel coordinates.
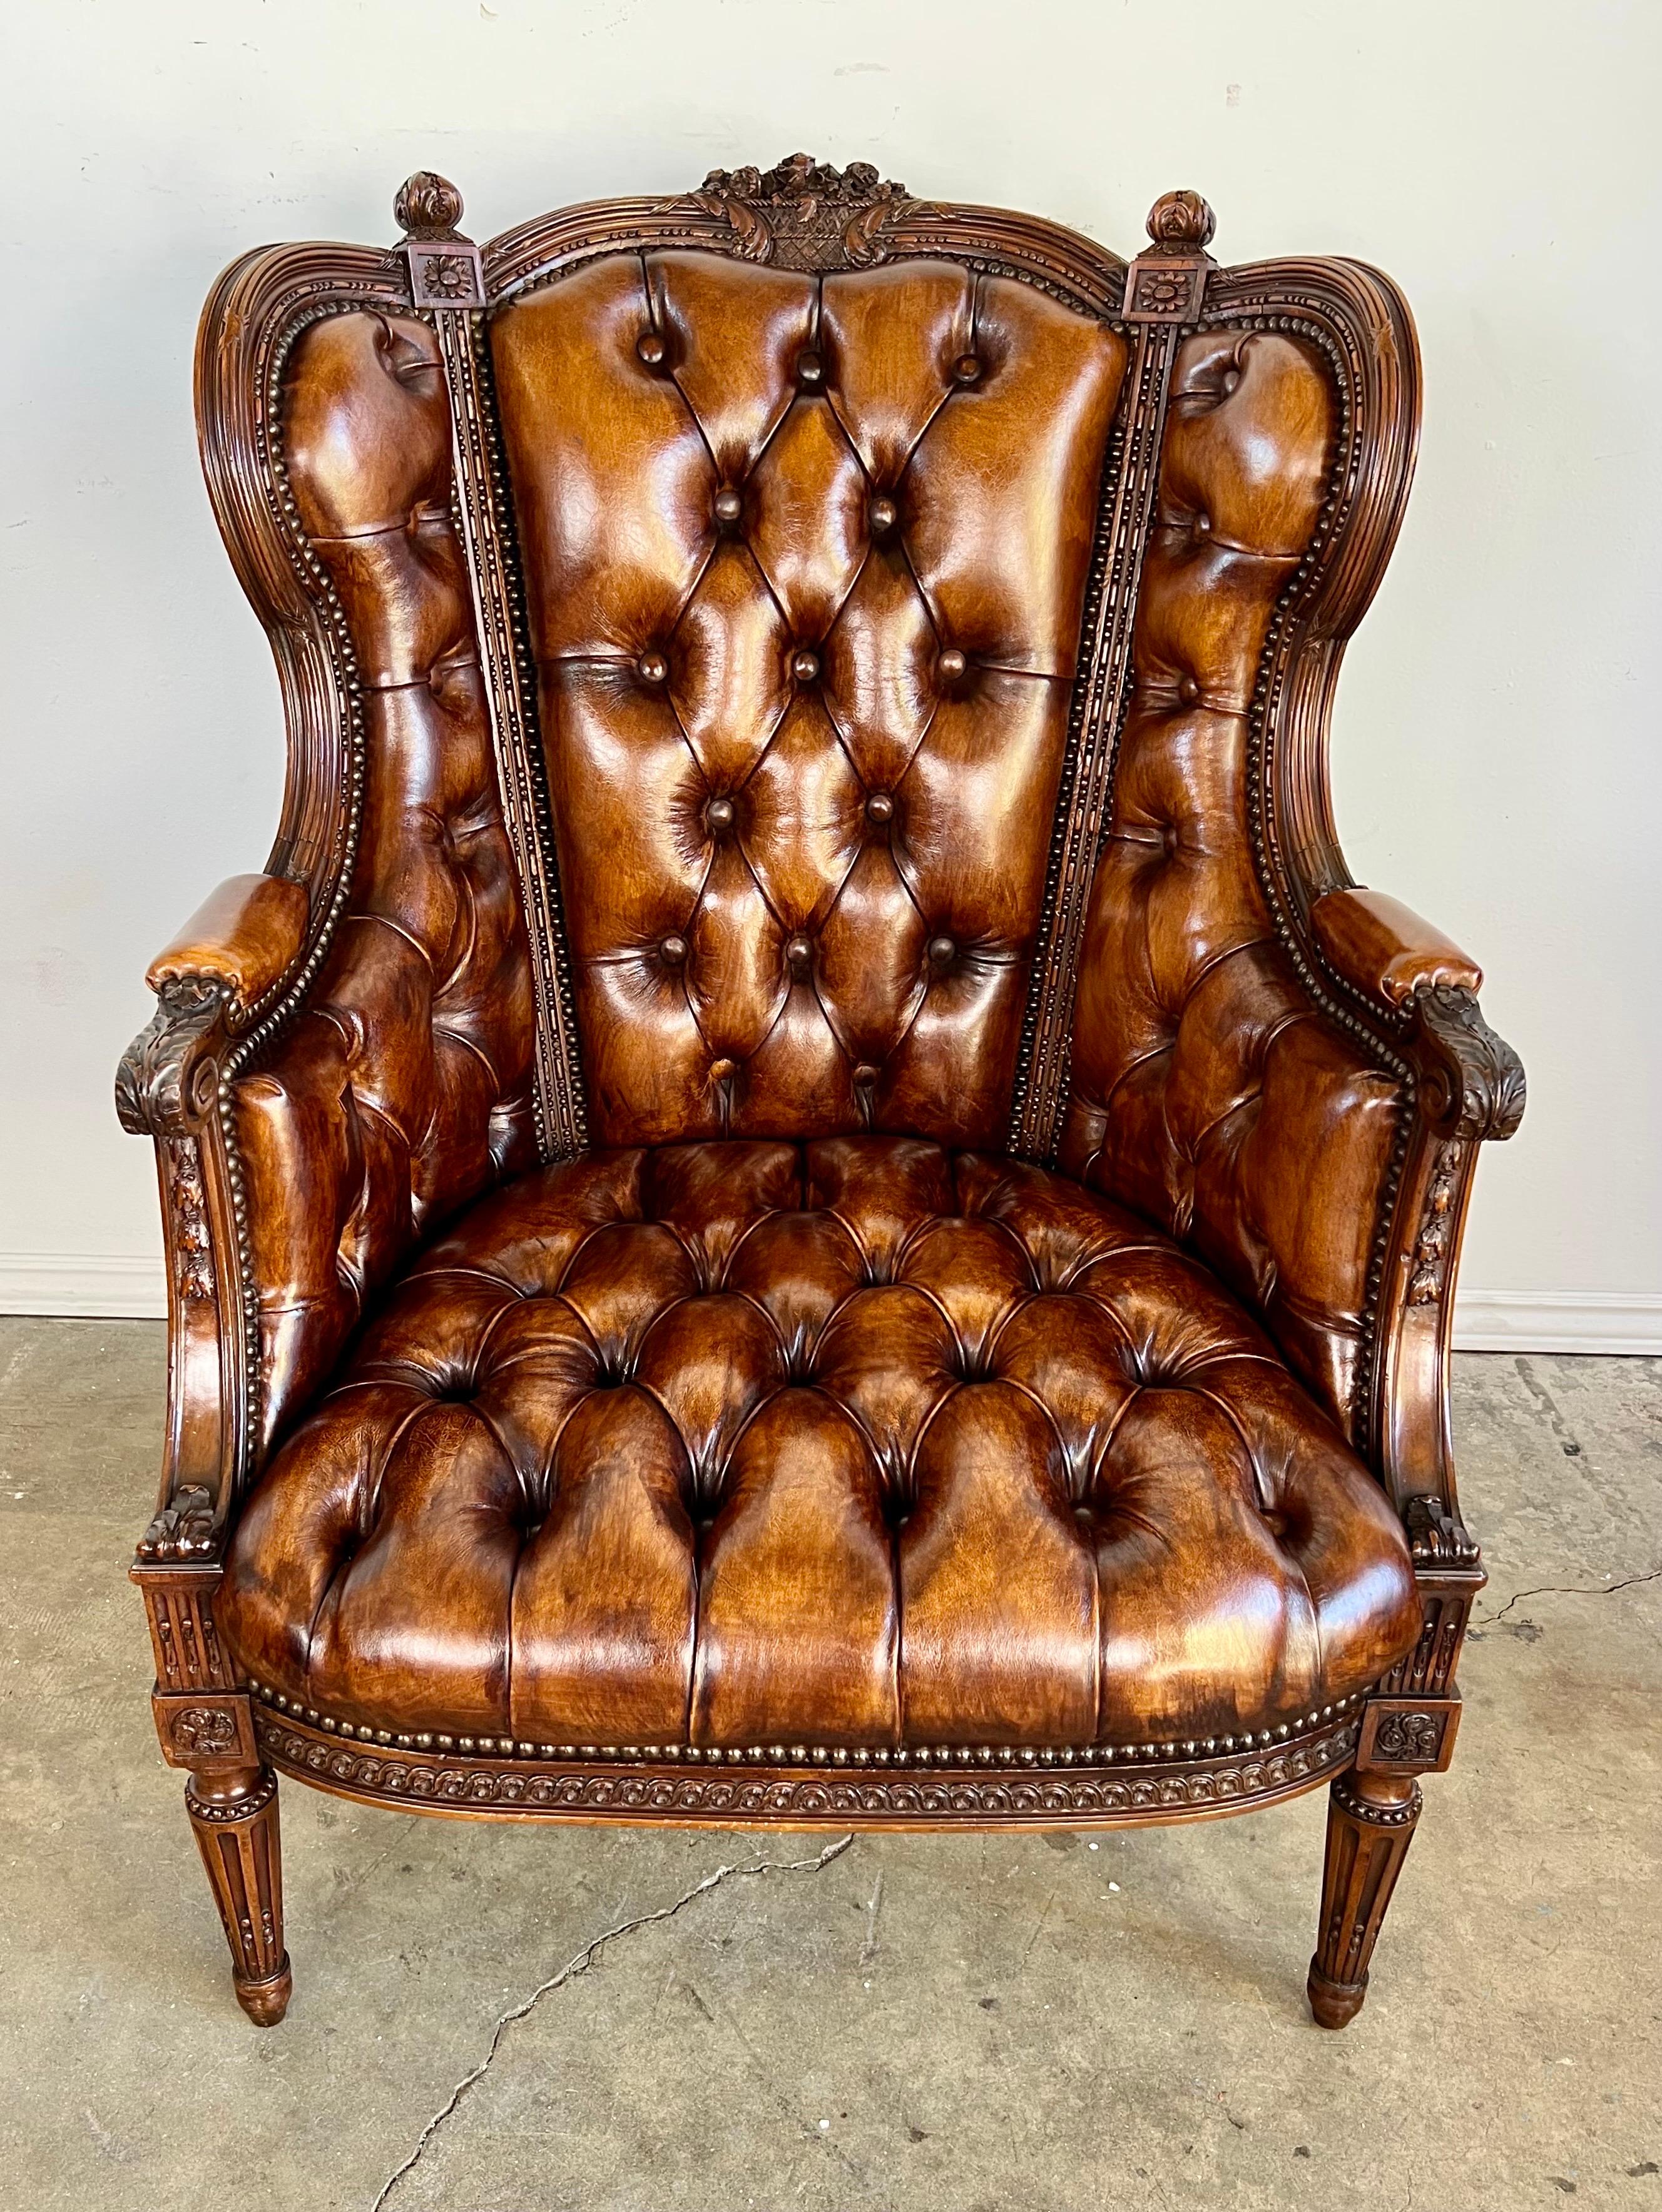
(804, 1194)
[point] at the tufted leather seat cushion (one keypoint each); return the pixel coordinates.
(856, 1442)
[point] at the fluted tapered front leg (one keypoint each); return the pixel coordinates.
(1370, 1825)
(234, 1817)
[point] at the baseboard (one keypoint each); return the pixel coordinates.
(129, 1287)
(1557, 1321)
(90, 1286)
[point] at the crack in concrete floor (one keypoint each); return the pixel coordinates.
(580, 1964)
(1564, 1590)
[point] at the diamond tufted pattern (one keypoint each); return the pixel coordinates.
(854, 1441)
(1207, 1091)
(804, 560)
(403, 1088)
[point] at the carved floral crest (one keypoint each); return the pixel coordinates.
(803, 214)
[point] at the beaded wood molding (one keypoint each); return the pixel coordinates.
(947, 1783)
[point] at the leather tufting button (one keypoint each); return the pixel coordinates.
(966, 370)
(810, 369)
(804, 665)
(942, 952)
(723, 1071)
(1202, 526)
(652, 668)
(651, 349)
(879, 808)
(672, 951)
(883, 515)
(798, 956)
(729, 506)
(718, 816)
(950, 665)
(1188, 691)
(864, 1075)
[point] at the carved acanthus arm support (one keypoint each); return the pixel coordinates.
(210, 983)
(1469, 1086)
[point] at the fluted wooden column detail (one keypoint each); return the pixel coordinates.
(1370, 1825)
(234, 1815)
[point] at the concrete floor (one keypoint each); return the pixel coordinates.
(959, 2023)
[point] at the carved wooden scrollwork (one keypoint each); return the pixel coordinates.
(1436, 1535)
(168, 1077)
(803, 214)
(1471, 1081)
(651, 1789)
(183, 1529)
(1402, 1737)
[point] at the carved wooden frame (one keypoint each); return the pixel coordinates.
(1459, 1083)
(978, 1786)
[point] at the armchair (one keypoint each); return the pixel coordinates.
(804, 1194)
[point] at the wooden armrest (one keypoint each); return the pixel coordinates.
(1385, 950)
(244, 935)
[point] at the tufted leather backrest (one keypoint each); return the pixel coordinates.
(805, 558)
(1208, 1090)
(403, 1088)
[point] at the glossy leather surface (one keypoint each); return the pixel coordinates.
(854, 1441)
(1208, 1090)
(403, 1088)
(804, 560)
(1386, 949)
(244, 935)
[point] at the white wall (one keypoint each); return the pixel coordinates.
(1496, 756)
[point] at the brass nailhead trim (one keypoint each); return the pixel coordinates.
(941, 1755)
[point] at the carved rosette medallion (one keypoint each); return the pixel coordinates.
(451, 277)
(803, 214)
(1410, 1736)
(204, 1732)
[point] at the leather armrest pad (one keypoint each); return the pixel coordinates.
(244, 935)
(1384, 948)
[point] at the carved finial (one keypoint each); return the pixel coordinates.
(444, 267)
(428, 206)
(1182, 222)
(1168, 283)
